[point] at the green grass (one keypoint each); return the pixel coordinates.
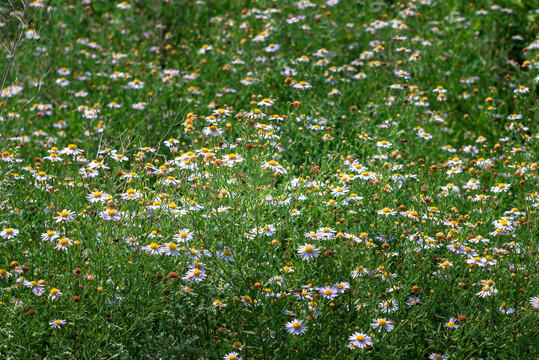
(120, 301)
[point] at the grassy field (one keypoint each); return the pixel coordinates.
(269, 179)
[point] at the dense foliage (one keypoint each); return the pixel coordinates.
(269, 179)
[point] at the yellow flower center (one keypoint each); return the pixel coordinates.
(9, 231)
(360, 338)
(111, 212)
(154, 246)
(309, 249)
(172, 246)
(382, 322)
(296, 325)
(72, 146)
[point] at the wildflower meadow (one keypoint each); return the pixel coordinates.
(269, 179)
